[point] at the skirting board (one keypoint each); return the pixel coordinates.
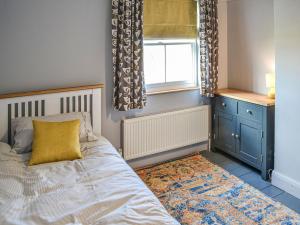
(286, 183)
(165, 156)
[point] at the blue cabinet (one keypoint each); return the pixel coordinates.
(245, 131)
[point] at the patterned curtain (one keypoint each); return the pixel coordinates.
(127, 51)
(208, 35)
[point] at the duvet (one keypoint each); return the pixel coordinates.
(98, 189)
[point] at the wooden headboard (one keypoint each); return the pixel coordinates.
(50, 102)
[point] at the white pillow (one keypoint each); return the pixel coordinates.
(23, 130)
(4, 147)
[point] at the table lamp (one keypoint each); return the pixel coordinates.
(270, 84)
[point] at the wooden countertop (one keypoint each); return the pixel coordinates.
(247, 96)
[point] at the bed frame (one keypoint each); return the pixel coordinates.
(50, 102)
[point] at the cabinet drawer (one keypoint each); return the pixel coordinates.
(250, 111)
(226, 105)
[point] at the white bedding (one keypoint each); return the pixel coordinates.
(99, 189)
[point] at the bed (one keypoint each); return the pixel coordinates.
(98, 189)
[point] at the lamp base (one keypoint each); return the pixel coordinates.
(271, 93)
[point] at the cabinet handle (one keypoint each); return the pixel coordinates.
(237, 136)
(223, 104)
(249, 111)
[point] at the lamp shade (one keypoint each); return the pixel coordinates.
(270, 80)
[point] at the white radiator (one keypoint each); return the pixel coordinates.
(152, 134)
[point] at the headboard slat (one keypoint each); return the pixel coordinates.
(85, 103)
(36, 108)
(79, 103)
(43, 107)
(68, 104)
(74, 104)
(23, 113)
(16, 110)
(62, 105)
(29, 109)
(91, 107)
(9, 124)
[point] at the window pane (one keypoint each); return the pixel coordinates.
(154, 63)
(180, 63)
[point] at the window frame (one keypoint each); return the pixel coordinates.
(175, 85)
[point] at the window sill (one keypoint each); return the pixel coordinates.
(157, 92)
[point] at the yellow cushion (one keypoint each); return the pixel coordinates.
(55, 141)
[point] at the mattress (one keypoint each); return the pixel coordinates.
(98, 189)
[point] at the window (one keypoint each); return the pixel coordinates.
(170, 49)
(170, 64)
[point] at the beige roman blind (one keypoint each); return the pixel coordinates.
(170, 18)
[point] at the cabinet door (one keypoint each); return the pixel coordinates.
(224, 127)
(249, 141)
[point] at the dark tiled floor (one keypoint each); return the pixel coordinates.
(252, 177)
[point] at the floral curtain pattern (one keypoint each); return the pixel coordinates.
(127, 54)
(208, 37)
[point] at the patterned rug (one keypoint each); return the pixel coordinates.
(195, 191)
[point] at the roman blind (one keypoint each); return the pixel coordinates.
(170, 18)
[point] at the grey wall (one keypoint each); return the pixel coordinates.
(287, 42)
(53, 43)
(58, 43)
(250, 44)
